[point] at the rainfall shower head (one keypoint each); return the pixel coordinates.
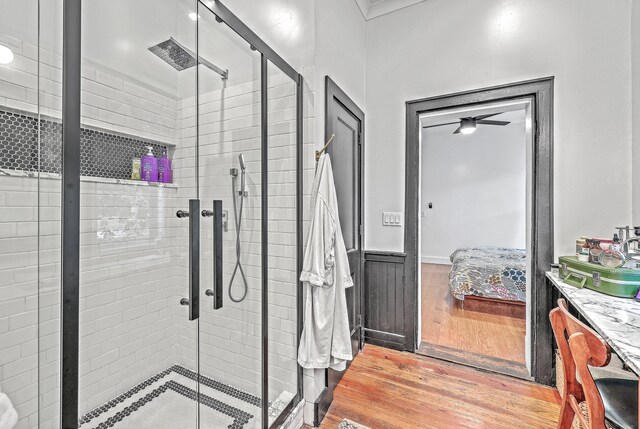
(180, 58)
(174, 54)
(243, 166)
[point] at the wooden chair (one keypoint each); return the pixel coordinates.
(597, 404)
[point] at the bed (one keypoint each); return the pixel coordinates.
(490, 279)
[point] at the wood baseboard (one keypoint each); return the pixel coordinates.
(499, 307)
(321, 406)
(385, 339)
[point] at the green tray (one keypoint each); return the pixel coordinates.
(622, 282)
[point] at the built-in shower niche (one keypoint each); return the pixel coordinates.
(103, 154)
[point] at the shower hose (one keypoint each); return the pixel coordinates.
(237, 214)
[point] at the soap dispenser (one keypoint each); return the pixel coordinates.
(149, 166)
(164, 168)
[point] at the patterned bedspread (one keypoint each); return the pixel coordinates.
(489, 272)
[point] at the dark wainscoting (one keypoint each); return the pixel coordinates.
(385, 319)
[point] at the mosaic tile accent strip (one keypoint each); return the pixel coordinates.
(120, 399)
(132, 401)
(214, 384)
(102, 154)
(240, 418)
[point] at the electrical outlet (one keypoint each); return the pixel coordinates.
(392, 218)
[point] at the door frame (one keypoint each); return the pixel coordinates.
(540, 91)
(333, 92)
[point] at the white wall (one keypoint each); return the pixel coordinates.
(477, 184)
(421, 51)
(288, 26)
(340, 53)
(635, 84)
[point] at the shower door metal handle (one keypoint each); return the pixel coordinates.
(194, 258)
(218, 288)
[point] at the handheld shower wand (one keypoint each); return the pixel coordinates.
(242, 193)
(243, 168)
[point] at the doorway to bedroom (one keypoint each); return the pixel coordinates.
(431, 305)
(473, 211)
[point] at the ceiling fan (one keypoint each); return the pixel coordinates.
(468, 125)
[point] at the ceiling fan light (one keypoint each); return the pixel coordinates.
(467, 125)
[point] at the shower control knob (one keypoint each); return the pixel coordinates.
(184, 301)
(207, 213)
(182, 213)
(209, 292)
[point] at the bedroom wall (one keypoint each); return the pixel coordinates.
(584, 44)
(477, 184)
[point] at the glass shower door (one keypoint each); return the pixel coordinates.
(230, 174)
(138, 219)
(30, 194)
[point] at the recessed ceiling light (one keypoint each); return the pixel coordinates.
(194, 16)
(6, 55)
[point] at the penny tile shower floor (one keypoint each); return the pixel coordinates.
(168, 401)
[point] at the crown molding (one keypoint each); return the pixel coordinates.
(384, 7)
(364, 7)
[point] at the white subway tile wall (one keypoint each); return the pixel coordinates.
(134, 257)
(283, 285)
(231, 337)
(108, 100)
(19, 296)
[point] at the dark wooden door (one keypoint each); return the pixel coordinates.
(345, 154)
(345, 121)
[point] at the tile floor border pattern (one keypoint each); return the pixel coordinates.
(240, 417)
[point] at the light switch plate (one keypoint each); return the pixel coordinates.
(392, 218)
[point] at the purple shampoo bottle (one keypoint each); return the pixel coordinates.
(149, 166)
(164, 169)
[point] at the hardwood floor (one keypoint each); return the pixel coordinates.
(446, 324)
(386, 389)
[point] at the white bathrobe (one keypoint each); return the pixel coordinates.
(326, 339)
(8, 414)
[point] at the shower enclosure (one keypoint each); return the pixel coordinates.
(115, 306)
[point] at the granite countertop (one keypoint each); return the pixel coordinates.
(616, 319)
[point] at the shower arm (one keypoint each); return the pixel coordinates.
(224, 74)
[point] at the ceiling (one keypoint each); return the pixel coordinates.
(375, 8)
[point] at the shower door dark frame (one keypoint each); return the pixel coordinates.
(70, 309)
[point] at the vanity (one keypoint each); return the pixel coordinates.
(617, 320)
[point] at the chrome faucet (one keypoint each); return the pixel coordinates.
(630, 245)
